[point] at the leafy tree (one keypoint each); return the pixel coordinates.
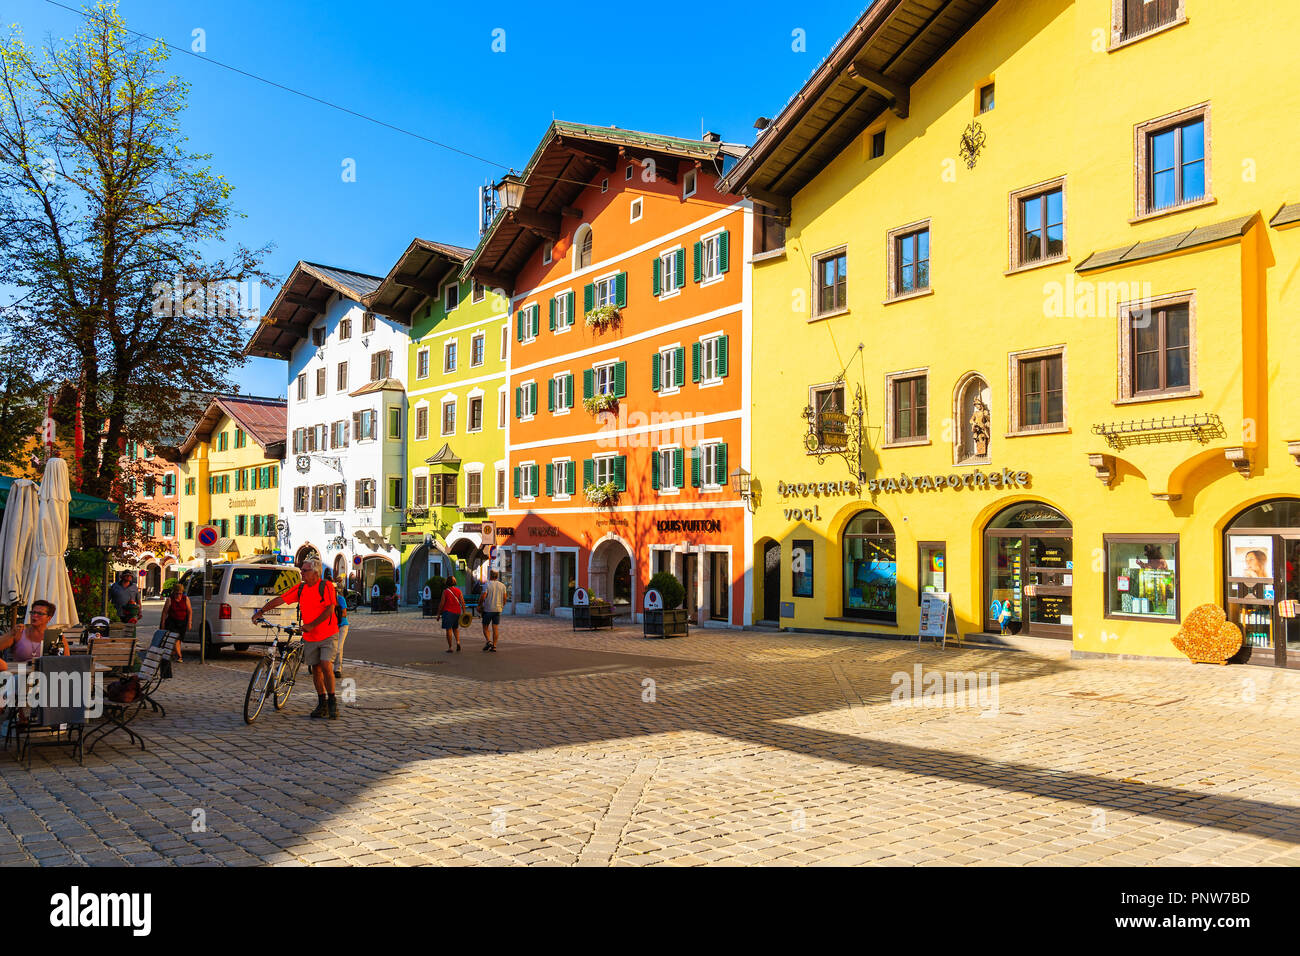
(22, 408)
(111, 229)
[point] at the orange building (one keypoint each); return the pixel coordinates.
(627, 374)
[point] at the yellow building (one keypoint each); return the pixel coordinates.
(229, 476)
(1023, 300)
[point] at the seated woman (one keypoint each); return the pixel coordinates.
(27, 639)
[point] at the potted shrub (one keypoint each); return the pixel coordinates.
(601, 318)
(671, 621)
(598, 613)
(600, 403)
(601, 495)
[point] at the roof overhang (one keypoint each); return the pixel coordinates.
(567, 159)
(870, 71)
(207, 423)
(301, 300)
(417, 276)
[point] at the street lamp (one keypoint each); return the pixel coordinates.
(108, 532)
(742, 485)
(510, 192)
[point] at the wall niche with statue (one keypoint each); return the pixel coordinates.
(973, 414)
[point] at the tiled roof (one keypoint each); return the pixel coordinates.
(1179, 242)
(357, 283)
(264, 419)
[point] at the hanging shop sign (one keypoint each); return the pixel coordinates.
(973, 479)
(690, 525)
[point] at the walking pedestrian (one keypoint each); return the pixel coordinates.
(125, 596)
(177, 616)
(492, 603)
(451, 605)
(343, 628)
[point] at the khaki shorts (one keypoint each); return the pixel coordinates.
(316, 651)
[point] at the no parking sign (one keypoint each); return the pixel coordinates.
(207, 536)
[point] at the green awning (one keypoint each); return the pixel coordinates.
(81, 508)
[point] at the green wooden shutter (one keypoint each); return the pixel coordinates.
(550, 486)
(620, 290)
(588, 382)
(680, 254)
(588, 473)
(720, 477)
(724, 246)
(620, 472)
(519, 401)
(568, 390)
(569, 312)
(620, 380)
(655, 361)
(535, 488)
(519, 325)
(570, 471)
(696, 360)
(654, 470)
(679, 367)
(533, 404)
(656, 274)
(537, 316)
(722, 356)
(695, 467)
(679, 458)
(699, 261)
(518, 472)
(588, 297)
(550, 395)
(552, 308)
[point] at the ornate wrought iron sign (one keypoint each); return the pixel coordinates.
(972, 144)
(836, 432)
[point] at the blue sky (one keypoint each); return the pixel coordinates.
(430, 68)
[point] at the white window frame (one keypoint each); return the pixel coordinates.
(691, 179)
(548, 252)
(668, 289)
(637, 209)
(422, 355)
(596, 374)
(415, 412)
(469, 400)
(561, 382)
(301, 383)
(447, 291)
(609, 282)
(442, 418)
(561, 495)
(706, 380)
(715, 260)
(474, 470)
(667, 355)
(450, 349)
(627, 173)
(526, 401)
(481, 338)
(671, 488)
(416, 475)
(526, 491)
(562, 298)
(528, 323)
(607, 461)
(709, 450)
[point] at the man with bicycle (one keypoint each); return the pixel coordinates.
(316, 603)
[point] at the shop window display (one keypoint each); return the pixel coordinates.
(870, 569)
(1142, 577)
(801, 568)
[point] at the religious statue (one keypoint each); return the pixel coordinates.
(981, 428)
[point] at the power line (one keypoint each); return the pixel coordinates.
(287, 89)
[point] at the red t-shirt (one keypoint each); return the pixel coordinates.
(452, 600)
(312, 604)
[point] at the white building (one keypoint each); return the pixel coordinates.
(342, 492)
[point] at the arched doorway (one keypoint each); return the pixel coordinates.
(340, 568)
(1261, 565)
(1029, 571)
(417, 572)
(152, 580)
(373, 567)
(305, 552)
(771, 565)
(870, 568)
(609, 575)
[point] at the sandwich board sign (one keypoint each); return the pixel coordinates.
(934, 616)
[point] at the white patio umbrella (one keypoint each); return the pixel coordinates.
(17, 540)
(47, 578)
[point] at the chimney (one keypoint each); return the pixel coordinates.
(711, 137)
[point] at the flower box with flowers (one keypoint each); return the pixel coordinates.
(601, 494)
(600, 403)
(602, 317)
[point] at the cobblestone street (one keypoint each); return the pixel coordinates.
(726, 747)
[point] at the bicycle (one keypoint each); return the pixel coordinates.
(276, 672)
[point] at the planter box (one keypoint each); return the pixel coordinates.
(593, 616)
(667, 623)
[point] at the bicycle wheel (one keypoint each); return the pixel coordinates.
(258, 685)
(288, 677)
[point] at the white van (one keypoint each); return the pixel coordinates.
(238, 590)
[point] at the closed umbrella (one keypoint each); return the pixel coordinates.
(17, 539)
(47, 578)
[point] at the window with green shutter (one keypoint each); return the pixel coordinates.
(695, 466)
(620, 380)
(532, 404)
(588, 382)
(620, 473)
(696, 350)
(679, 459)
(518, 478)
(654, 470)
(620, 290)
(550, 483)
(655, 276)
(588, 297)
(537, 318)
(519, 325)
(571, 470)
(720, 464)
(519, 401)
(680, 256)
(550, 395)
(699, 261)
(568, 390)
(551, 304)
(724, 251)
(679, 367)
(588, 473)
(655, 362)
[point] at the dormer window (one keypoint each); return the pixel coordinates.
(451, 297)
(688, 183)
